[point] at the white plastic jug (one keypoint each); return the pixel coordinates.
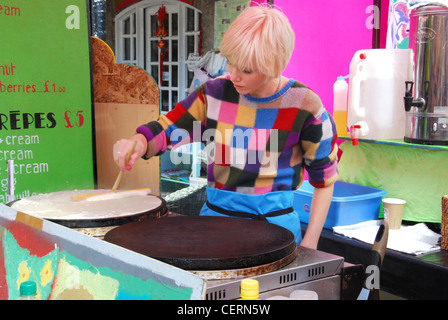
(376, 90)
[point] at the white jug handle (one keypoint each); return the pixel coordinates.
(356, 87)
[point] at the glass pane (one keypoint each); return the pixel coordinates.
(134, 28)
(174, 51)
(155, 73)
(190, 19)
(154, 51)
(165, 101)
(190, 45)
(174, 76)
(190, 76)
(166, 50)
(127, 26)
(166, 76)
(153, 25)
(175, 98)
(175, 22)
(127, 49)
(167, 24)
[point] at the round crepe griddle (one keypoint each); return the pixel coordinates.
(206, 243)
(59, 208)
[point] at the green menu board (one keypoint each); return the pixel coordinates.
(45, 97)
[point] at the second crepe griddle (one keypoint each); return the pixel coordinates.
(206, 243)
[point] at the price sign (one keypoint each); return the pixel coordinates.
(45, 97)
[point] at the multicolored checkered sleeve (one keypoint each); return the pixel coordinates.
(182, 125)
(320, 149)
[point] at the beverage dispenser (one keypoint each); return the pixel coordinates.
(426, 99)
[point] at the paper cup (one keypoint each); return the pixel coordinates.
(393, 212)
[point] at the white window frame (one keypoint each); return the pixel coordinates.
(138, 11)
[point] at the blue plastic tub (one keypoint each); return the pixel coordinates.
(351, 203)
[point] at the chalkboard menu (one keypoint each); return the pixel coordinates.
(45, 97)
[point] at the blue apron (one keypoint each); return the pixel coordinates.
(274, 207)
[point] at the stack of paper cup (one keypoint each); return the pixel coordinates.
(393, 212)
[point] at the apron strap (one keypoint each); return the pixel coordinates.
(239, 214)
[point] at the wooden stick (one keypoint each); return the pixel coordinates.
(80, 197)
(120, 174)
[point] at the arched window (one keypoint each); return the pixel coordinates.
(136, 44)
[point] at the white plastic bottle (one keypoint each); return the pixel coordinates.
(340, 101)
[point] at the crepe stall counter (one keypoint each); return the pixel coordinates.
(221, 251)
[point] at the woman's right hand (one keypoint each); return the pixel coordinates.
(122, 147)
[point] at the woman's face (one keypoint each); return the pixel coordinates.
(251, 82)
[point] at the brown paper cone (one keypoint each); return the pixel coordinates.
(393, 212)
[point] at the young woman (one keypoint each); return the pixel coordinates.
(261, 130)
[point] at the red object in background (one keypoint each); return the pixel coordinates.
(161, 33)
(32, 239)
(121, 4)
(161, 15)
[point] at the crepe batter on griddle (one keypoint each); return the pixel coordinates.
(59, 205)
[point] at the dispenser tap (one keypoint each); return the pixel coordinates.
(354, 133)
(409, 100)
(359, 129)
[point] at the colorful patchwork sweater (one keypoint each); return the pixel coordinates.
(253, 145)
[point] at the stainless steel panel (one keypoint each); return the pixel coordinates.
(309, 265)
(326, 289)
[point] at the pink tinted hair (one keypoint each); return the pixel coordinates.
(260, 39)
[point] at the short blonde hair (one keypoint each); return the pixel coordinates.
(260, 39)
